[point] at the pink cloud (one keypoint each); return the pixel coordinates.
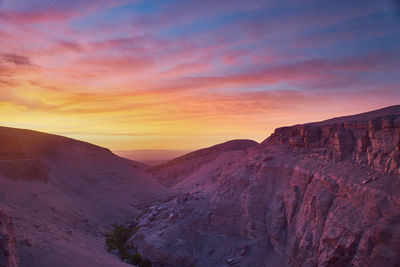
(186, 69)
(234, 57)
(305, 72)
(24, 13)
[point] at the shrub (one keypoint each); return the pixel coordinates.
(117, 239)
(145, 263)
(136, 259)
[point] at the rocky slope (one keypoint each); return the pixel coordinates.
(8, 252)
(320, 194)
(63, 194)
(186, 166)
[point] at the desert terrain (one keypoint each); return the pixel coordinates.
(317, 194)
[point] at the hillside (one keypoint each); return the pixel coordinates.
(64, 193)
(194, 168)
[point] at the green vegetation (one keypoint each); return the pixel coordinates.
(145, 263)
(116, 239)
(136, 259)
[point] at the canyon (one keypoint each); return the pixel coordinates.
(318, 194)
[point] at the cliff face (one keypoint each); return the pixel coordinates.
(320, 194)
(374, 142)
(325, 214)
(8, 253)
(340, 205)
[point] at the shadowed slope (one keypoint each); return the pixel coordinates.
(63, 193)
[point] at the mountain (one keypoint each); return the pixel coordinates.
(63, 194)
(318, 194)
(194, 168)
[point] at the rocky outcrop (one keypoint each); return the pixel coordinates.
(8, 253)
(375, 142)
(320, 194)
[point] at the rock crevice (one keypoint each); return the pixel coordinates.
(8, 252)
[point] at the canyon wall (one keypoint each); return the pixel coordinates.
(320, 194)
(375, 143)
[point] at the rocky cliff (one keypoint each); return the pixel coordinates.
(366, 139)
(320, 194)
(8, 253)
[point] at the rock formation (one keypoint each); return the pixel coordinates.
(374, 141)
(8, 253)
(319, 194)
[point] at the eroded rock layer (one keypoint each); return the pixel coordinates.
(373, 142)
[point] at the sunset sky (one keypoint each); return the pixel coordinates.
(189, 74)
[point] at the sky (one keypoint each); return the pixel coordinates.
(183, 74)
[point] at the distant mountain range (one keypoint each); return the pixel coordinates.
(151, 156)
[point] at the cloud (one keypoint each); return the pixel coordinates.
(186, 69)
(17, 60)
(327, 71)
(25, 12)
(9, 82)
(12, 97)
(14, 67)
(65, 45)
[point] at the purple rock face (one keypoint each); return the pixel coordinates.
(375, 141)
